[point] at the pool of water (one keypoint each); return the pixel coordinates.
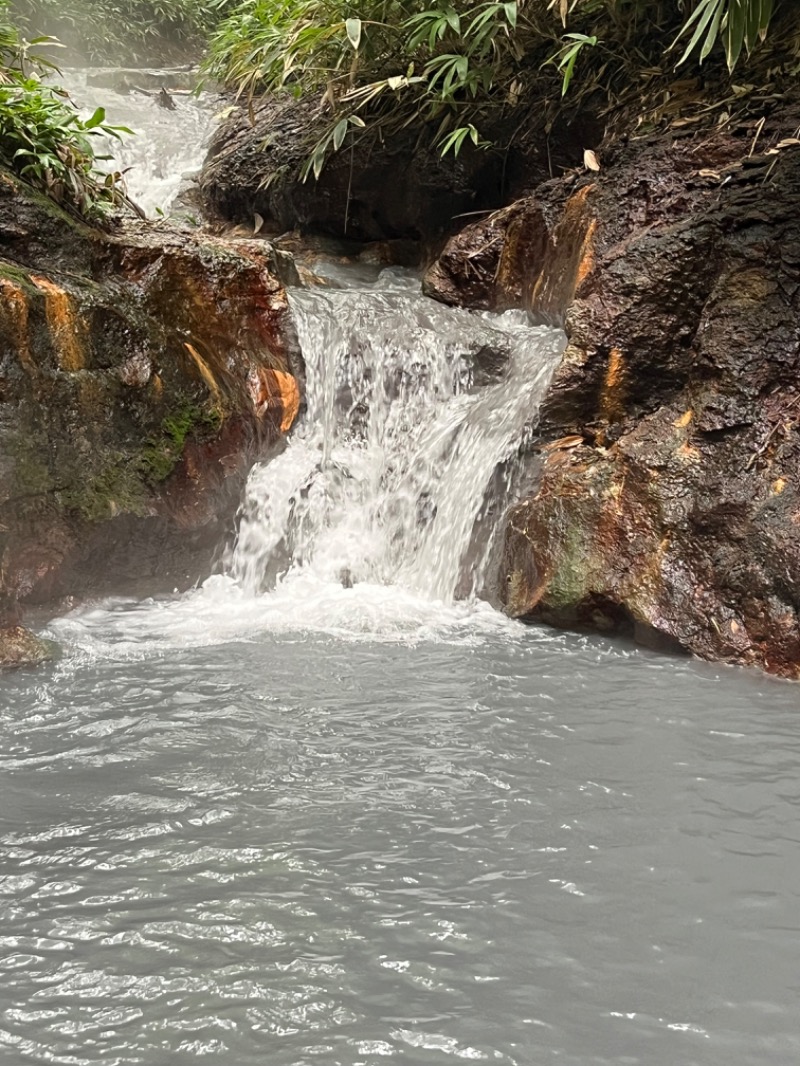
(476, 841)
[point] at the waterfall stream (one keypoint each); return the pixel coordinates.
(168, 144)
(395, 461)
(380, 516)
(398, 473)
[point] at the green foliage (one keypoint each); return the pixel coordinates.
(736, 22)
(445, 63)
(574, 43)
(124, 30)
(393, 64)
(42, 137)
(163, 452)
(44, 140)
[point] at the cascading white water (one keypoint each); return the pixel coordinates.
(385, 479)
(376, 519)
(168, 145)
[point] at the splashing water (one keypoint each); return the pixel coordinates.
(168, 146)
(396, 461)
(376, 521)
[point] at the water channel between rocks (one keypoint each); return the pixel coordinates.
(332, 807)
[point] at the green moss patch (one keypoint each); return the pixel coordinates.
(163, 452)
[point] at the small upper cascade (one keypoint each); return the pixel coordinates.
(171, 129)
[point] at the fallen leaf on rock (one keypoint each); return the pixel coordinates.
(563, 443)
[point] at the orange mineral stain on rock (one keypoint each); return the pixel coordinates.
(689, 454)
(67, 331)
(14, 314)
(568, 258)
(611, 400)
(586, 255)
(277, 393)
(205, 370)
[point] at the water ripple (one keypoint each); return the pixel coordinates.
(332, 851)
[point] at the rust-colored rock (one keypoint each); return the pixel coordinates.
(127, 419)
(276, 395)
(674, 511)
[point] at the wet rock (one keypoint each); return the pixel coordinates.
(674, 512)
(487, 364)
(128, 417)
(372, 192)
(164, 100)
(123, 80)
(20, 647)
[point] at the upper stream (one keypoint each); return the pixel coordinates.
(331, 807)
(167, 145)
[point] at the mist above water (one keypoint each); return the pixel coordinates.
(168, 144)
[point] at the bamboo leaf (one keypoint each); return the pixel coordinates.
(97, 118)
(353, 27)
(703, 16)
(734, 32)
(339, 133)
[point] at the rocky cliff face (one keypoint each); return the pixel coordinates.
(668, 501)
(141, 373)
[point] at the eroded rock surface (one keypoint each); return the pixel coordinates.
(140, 375)
(373, 192)
(668, 501)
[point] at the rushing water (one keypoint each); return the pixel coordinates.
(395, 462)
(330, 807)
(167, 145)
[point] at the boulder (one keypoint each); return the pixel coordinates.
(371, 191)
(142, 371)
(20, 647)
(668, 498)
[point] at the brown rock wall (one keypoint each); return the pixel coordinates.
(128, 416)
(668, 503)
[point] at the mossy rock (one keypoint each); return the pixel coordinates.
(21, 647)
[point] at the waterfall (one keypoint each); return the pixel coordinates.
(379, 517)
(415, 413)
(167, 146)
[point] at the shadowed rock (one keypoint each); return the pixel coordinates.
(372, 192)
(673, 509)
(141, 374)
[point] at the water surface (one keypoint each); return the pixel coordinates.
(501, 845)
